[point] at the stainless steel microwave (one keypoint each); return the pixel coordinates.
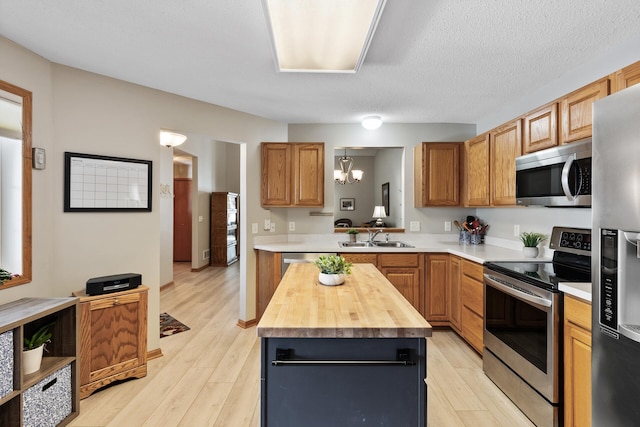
(558, 176)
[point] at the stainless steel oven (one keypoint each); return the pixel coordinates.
(522, 324)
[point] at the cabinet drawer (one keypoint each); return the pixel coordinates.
(110, 301)
(577, 311)
(473, 270)
(472, 328)
(361, 258)
(472, 295)
(398, 260)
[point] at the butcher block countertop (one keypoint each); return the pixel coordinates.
(367, 305)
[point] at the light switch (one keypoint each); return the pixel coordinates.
(254, 228)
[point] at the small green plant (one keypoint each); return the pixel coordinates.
(333, 264)
(532, 239)
(352, 231)
(5, 275)
(41, 336)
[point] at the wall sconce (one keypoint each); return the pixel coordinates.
(171, 139)
(345, 174)
(372, 122)
(379, 213)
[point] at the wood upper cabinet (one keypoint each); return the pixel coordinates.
(576, 111)
(292, 174)
(577, 362)
(505, 146)
(436, 174)
(476, 171)
(541, 129)
(627, 77)
(436, 298)
(454, 279)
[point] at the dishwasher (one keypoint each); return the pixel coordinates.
(289, 258)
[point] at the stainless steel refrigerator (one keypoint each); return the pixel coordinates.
(616, 260)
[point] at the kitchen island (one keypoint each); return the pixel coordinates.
(344, 355)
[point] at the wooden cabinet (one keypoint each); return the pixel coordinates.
(472, 304)
(505, 146)
(405, 272)
(577, 362)
(627, 77)
(292, 174)
(476, 171)
(268, 275)
(436, 174)
(225, 229)
(57, 400)
(576, 111)
(361, 258)
(454, 283)
(541, 129)
(113, 344)
(437, 291)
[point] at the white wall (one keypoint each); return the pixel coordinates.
(79, 111)
(362, 192)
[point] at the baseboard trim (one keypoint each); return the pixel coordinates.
(166, 285)
(246, 324)
(154, 354)
(195, 270)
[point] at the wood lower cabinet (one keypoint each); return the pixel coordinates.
(577, 362)
(113, 342)
(405, 272)
(437, 298)
(576, 111)
(454, 284)
(436, 174)
(292, 174)
(472, 304)
(268, 275)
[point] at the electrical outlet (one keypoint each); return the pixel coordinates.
(516, 230)
(254, 228)
(414, 226)
(273, 227)
(267, 224)
(205, 254)
(200, 218)
(292, 226)
(447, 226)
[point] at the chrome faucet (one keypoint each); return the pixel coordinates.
(372, 235)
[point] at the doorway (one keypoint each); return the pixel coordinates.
(182, 208)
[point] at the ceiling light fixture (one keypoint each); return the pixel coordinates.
(345, 174)
(171, 139)
(372, 122)
(321, 36)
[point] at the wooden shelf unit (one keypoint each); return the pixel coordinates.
(225, 229)
(27, 315)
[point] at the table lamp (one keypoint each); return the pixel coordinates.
(379, 213)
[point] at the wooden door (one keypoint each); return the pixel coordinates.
(541, 129)
(436, 304)
(181, 219)
(437, 174)
(576, 110)
(308, 174)
(506, 145)
(454, 300)
(407, 281)
(476, 171)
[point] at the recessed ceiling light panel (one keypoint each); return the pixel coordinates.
(330, 36)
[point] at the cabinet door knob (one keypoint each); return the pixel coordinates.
(115, 301)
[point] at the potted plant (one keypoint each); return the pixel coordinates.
(33, 348)
(531, 240)
(333, 269)
(5, 275)
(353, 234)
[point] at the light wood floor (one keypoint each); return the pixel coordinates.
(210, 375)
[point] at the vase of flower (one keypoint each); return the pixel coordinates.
(353, 234)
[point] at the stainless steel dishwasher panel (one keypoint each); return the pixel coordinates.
(289, 258)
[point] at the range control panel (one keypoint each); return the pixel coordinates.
(573, 240)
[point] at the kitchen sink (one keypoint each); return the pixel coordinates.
(366, 244)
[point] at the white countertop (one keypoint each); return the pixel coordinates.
(580, 290)
(493, 250)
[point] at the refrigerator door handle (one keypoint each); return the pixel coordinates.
(565, 177)
(634, 239)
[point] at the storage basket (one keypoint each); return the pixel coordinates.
(48, 402)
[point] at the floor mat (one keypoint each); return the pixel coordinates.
(170, 326)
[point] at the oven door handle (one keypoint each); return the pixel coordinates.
(542, 302)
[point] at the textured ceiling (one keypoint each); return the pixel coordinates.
(429, 61)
